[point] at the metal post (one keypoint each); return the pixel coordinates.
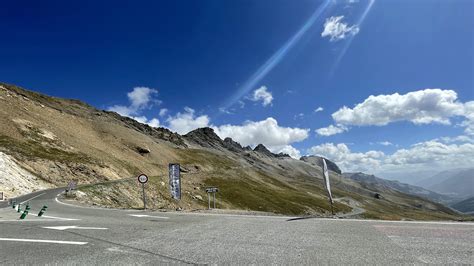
(209, 200)
(214, 200)
(144, 197)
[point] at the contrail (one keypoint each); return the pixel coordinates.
(348, 43)
(276, 57)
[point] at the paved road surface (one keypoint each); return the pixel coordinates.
(78, 235)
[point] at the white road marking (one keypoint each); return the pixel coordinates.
(61, 218)
(44, 241)
(29, 220)
(33, 198)
(401, 222)
(146, 215)
(62, 228)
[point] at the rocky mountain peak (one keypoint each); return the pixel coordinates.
(232, 145)
(205, 137)
(263, 150)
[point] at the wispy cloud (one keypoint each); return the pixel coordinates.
(331, 130)
(337, 30)
(319, 109)
(262, 94)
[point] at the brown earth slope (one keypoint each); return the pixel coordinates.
(53, 141)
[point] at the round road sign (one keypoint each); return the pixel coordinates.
(142, 178)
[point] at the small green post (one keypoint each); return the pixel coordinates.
(42, 211)
(23, 215)
(13, 204)
(19, 207)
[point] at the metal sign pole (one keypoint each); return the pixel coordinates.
(144, 197)
(209, 200)
(214, 200)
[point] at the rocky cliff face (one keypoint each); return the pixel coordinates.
(205, 137)
(318, 161)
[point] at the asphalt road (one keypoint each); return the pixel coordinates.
(79, 235)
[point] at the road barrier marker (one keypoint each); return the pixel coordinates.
(44, 241)
(42, 211)
(23, 215)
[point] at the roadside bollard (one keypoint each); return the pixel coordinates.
(19, 208)
(42, 211)
(23, 215)
(13, 204)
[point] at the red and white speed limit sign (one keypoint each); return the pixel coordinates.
(142, 178)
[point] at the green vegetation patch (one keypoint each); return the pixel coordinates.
(247, 194)
(34, 150)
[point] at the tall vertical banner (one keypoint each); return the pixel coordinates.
(326, 180)
(175, 180)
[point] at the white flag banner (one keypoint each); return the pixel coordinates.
(326, 180)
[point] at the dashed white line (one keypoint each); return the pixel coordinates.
(43, 241)
(61, 218)
(33, 198)
(146, 215)
(65, 227)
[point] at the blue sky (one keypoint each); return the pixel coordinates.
(258, 70)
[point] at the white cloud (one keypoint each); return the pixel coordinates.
(154, 122)
(331, 130)
(337, 30)
(419, 107)
(319, 109)
(182, 123)
(469, 114)
(262, 94)
(163, 112)
(266, 132)
(347, 160)
(433, 153)
(139, 98)
(461, 138)
(421, 156)
(385, 143)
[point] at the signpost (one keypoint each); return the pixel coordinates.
(175, 181)
(71, 186)
(212, 190)
(143, 179)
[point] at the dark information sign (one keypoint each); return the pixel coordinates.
(175, 180)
